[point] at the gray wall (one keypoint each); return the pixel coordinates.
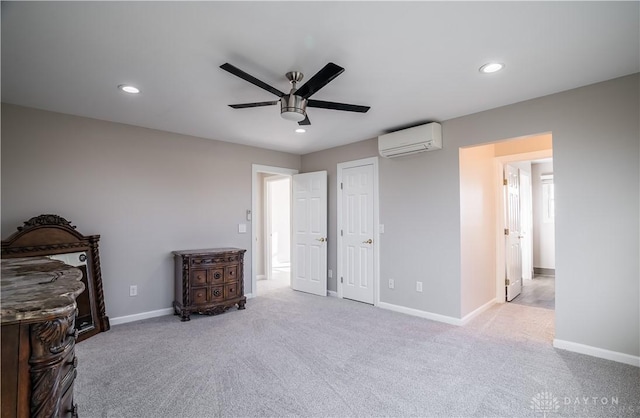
(145, 192)
(597, 241)
(544, 254)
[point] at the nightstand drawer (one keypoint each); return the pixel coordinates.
(217, 293)
(230, 274)
(217, 276)
(198, 277)
(231, 290)
(199, 295)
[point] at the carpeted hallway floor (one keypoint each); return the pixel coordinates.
(298, 355)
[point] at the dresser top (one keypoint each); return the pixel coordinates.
(209, 251)
(35, 288)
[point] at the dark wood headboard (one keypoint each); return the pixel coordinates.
(52, 235)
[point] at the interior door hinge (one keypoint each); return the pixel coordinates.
(341, 186)
(341, 279)
(504, 182)
(507, 282)
(506, 231)
(342, 233)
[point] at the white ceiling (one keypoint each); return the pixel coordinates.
(411, 62)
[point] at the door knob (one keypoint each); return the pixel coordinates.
(321, 239)
(369, 241)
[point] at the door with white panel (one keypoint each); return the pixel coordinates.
(513, 250)
(309, 240)
(357, 235)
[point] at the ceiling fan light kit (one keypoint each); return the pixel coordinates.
(293, 106)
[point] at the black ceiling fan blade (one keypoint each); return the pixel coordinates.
(337, 106)
(319, 80)
(256, 104)
(305, 121)
(251, 79)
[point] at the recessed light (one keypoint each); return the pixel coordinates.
(301, 130)
(129, 89)
(491, 67)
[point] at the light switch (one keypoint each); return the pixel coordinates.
(242, 228)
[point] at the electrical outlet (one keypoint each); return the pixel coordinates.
(418, 286)
(133, 290)
(330, 273)
(392, 283)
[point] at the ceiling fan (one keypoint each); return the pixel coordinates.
(293, 106)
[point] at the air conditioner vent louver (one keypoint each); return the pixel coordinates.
(411, 141)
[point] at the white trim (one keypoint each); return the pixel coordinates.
(140, 316)
(597, 352)
(255, 169)
(422, 314)
(332, 294)
(261, 277)
(250, 296)
(376, 225)
(468, 317)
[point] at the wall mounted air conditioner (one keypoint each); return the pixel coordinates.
(410, 141)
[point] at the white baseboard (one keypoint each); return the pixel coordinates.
(468, 317)
(138, 317)
(597, 352)
(422, 314)
(250, 295)
(261, 277)
(332, 293)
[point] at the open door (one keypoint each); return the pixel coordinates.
(513, 251)
(309, 241)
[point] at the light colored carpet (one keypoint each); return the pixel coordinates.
(280, 277)
(291, 354)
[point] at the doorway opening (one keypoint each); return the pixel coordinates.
(269, 255)
(538, 285)
(483, 210)
(277, 233)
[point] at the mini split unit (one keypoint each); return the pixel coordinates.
(411, 141)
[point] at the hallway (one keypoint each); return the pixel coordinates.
(539, 292)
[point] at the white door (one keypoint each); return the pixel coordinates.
(357, 233)
(309, 244)
(513, 251)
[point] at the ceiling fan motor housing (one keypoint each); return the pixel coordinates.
(293, 107)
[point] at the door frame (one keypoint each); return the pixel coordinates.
(499, 164)
(376, 225)
(255, 185)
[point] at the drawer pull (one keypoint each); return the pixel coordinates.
(217, 293)
(217, 276)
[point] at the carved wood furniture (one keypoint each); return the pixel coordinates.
(208, 281)
(38, 362)
(54, 236)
